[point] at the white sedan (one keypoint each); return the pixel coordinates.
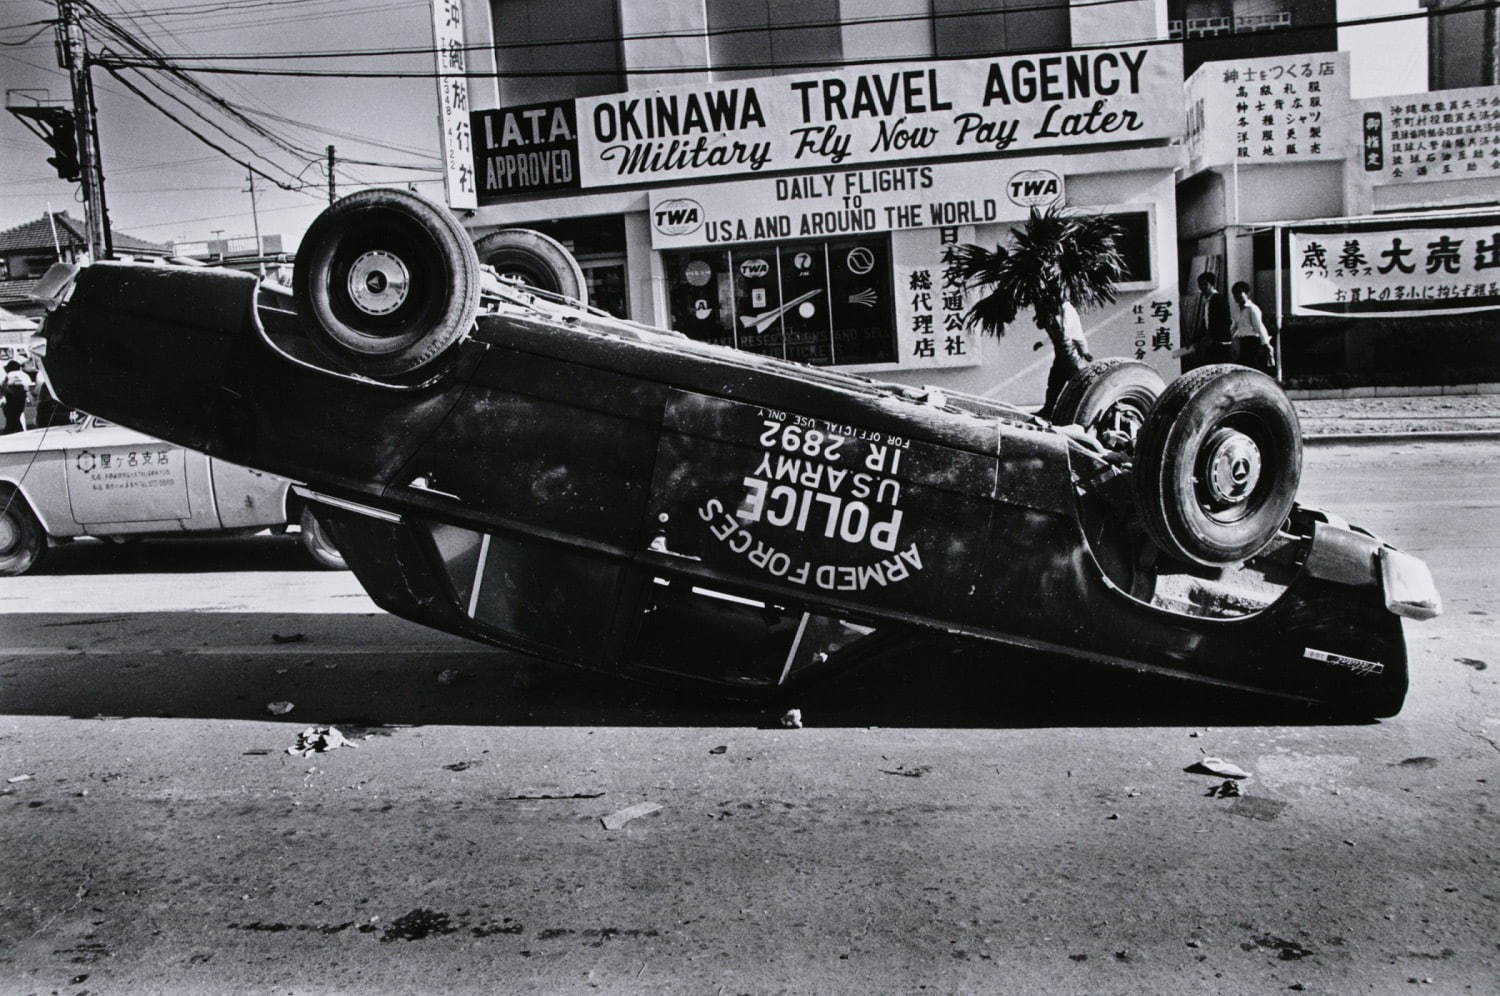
(94, 478)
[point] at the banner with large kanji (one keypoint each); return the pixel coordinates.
(1426, 266)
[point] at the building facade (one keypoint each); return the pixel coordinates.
(1463, 45)
(1214, 30)
(1367, 229)
(789, 178)
(27, 250)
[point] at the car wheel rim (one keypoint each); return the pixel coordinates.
(10, 536)
(378, 282)
(1231, 468)
(1119, 426)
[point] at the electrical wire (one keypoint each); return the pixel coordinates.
(781, 66)
(198, 135)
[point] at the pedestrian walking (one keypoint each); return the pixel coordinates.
(1252, 343)
(1211, 326)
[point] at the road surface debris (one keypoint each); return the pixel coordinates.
(792, 719)
(279, 708)
(1218, 767)
(318, 740)
(619, 818)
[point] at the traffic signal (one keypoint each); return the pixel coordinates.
(55, 126)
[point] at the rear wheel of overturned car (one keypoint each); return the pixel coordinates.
(317, 545)
(1217, 465)
(533, 259)
(23, 541)
(1110, 398)
(389, 280)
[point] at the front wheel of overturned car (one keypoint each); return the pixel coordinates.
(389, 281)
(317, 545)
(1217, 465)
(535, 260)
(1110, 398)
(23, 541)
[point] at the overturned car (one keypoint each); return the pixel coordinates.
(502, 462)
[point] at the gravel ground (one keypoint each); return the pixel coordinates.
(1381, 416)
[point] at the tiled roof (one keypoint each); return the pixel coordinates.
(13, 292)
(37, 235)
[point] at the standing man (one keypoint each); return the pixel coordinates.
(1211, 340)
(17, 391)
(1252, 343)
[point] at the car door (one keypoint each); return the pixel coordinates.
(122, 481)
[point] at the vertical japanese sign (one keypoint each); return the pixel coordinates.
(1151, 327)
(1445, 267)
(453, 103)
(1442, 135)
(1283, 108)
(931, 300)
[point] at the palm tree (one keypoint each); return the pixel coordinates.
(1060, 256)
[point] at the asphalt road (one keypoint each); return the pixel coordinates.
(946, 825)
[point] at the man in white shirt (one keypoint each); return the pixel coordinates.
(1252, 343)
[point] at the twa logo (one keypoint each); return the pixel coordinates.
(752, 268)
(677, 217)
(1034, 188)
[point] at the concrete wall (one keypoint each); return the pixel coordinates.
(1133, 20)
(687, 18)
(891, 39)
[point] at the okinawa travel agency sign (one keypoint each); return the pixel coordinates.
(848, 117)
(877, 199)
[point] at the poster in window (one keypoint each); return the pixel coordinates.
(808, 322)
(859, 284)
(758, 302)
(699, 285)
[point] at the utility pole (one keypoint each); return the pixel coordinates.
(76, 61)
(260, 256)
(330, 174)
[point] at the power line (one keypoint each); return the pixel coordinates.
(218, 25)
(350, 136)
(801, 26)
(196, 134)
(811, 64)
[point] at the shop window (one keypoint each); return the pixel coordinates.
(994, 27)
(1134, 243)
(768, 37)
(821, 303)
(570, 49)
(36, 266)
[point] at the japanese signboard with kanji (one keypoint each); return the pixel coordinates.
(1442, 267)
(1442, 135)
(453, 104)
(883, 199)
(931, 301)
(1285, 108)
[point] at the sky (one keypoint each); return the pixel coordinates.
(164, 185)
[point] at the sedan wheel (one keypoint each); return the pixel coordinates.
(22, 539)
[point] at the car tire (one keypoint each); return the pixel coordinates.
(389, 281)
(315, 541)
(23, 541)
(1217, 465)
(534, 259)
(1110, 398)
